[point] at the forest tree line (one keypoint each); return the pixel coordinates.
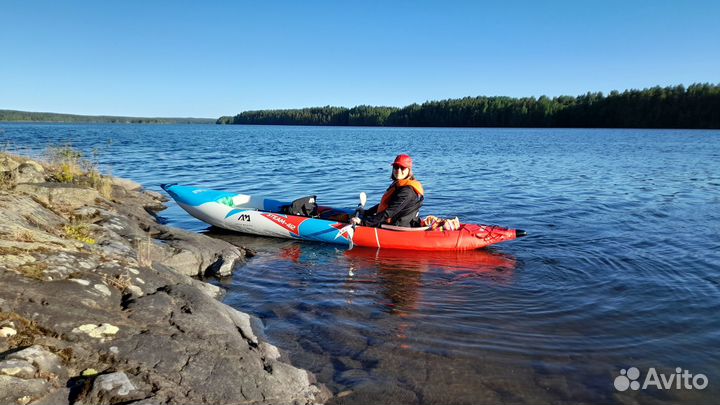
(27, 116)
(697, 106)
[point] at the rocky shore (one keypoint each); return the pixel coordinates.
(100, 303)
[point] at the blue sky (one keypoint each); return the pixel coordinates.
(206, 59)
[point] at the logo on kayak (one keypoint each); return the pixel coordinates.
(681, 379)
(289, 222)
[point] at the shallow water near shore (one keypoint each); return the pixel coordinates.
(621, 267)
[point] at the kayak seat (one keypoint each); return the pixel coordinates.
(303, 207)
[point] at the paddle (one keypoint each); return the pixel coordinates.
(350, 229)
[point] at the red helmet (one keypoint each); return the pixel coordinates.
(403, 161)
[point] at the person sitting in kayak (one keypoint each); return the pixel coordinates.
(400, 206)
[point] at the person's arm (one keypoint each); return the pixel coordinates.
(365, 215)
(402, 198)
(372, 210)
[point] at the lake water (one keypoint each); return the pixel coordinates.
(621, 268)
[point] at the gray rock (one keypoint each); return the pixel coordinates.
(38, 356)
(30, 172)
(193, 254)
(103, 289)
(155, 195)
(86, 213)
(211, 290)
(15, 261)
(135, 291)
(66, 196)
(22, 211)
(188, 253)
(114, 248)
(7, 331)
(15, 390)
(127, 184)
(112, 388)
(53, 397)
(17, 368)
(269, 351)
(241, 321)
(187, 262)
(111, 307)
(35, 166)
(228, 259)
(220, 327)
(8, 164)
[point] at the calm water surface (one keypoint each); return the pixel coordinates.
(621, 268)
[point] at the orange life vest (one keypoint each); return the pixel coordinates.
(385, 201)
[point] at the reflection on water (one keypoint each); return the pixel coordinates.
(352, 317)
(400, 273)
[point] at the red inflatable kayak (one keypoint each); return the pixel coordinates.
(263, 216)
(468, 237)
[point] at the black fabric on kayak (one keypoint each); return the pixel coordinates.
(304, 207)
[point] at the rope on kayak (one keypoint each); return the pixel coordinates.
(488, 233)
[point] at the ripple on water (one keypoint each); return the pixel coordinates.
(621, 266)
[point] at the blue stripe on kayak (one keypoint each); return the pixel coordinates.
(321, 230)
(233, 212)
(194, 196)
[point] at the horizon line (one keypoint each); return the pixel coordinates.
(357, 105)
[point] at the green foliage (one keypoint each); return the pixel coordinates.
(79, 232)
(66, 173)
(70, 166)
(26, 116)
(358, 116)
(698, 106)
(67, 162)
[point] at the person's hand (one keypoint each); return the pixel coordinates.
(355, 221)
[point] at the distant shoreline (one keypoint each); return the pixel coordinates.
(16, 116)
(672, 107)
(362, 126)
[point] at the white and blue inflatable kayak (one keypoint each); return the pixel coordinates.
(263, 216)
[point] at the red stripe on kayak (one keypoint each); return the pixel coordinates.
(289, 222)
